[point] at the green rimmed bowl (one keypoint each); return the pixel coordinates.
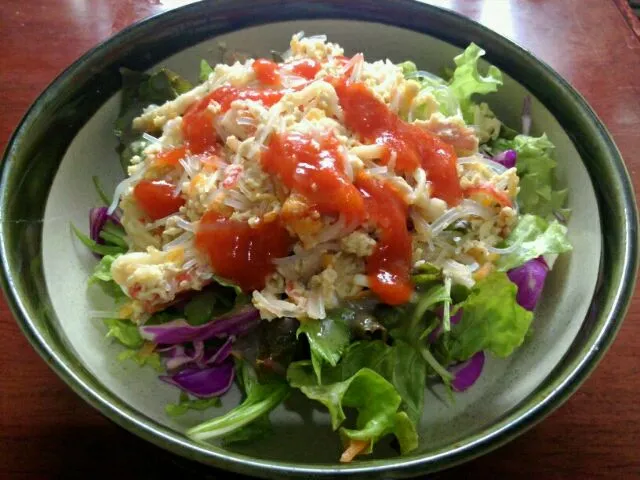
(65, 139)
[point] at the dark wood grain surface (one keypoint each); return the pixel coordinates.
(46, 431)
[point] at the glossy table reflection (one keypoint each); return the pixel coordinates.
(46, 431)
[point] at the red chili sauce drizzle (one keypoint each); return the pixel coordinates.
(156, 198)
(239, 252)
(315, 168)
(389, 266)
(270, 73)
(373, 122)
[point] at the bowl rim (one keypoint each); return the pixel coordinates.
(522, 418)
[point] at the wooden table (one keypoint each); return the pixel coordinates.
(46, 431)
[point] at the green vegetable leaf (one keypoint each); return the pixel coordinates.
(535, 237)
(328, 338)
(400, 364)
(426, 275)
(205, 70)
(434, 296)
(99, 190)
(408, 68)
(114, 235)
(139, 90)
(467, 80)
(102, 276)
(260, 399)
(227, 283)
(96, 247)
(185, 404)
(259, 428)
(208, 304)
(536, 171)
(152, 360)
(375, 399)
(124, 331)
(492, 320)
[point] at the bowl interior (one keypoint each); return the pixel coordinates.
(303, 433)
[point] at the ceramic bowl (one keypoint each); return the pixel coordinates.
(66, 138)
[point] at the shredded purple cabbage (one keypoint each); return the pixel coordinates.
(178, 356)
(181, 356)
(529, 279)
(179, 331)
(98, 217)
(465, 374)
(507, 158)
(218, 356)
(203, 383)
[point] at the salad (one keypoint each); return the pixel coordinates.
(323, 225)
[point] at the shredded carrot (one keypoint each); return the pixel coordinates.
(354, 449)
(483, 271)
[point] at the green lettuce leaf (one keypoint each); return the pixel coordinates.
(102, 276)
(205, 70)
(261, 398)
(328, 338)
(399, 364)
(535, 237)
(536, 171)
(467, 80)
(139, 90)
(492, 320)
(375, 399)
(185, 404)
(124, 331)
(152, 360)
(203, 306)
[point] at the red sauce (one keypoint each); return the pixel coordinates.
(242, 254)
(170, 157)
(373, 122)
(197, 122)
(315, 168)
(266, 71)
(305, 68)
(269, 72)
(389, 265)
(156, 198)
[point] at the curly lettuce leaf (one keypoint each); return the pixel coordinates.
(492, 321)
(374, 398)
(454, 97)
(392, 362)
(248, 420)
(102, 276)
(142, 359)
(467, 80)
(536, 171)
(328, 338)
(124, 331)
(534, 237)
(186, 404)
